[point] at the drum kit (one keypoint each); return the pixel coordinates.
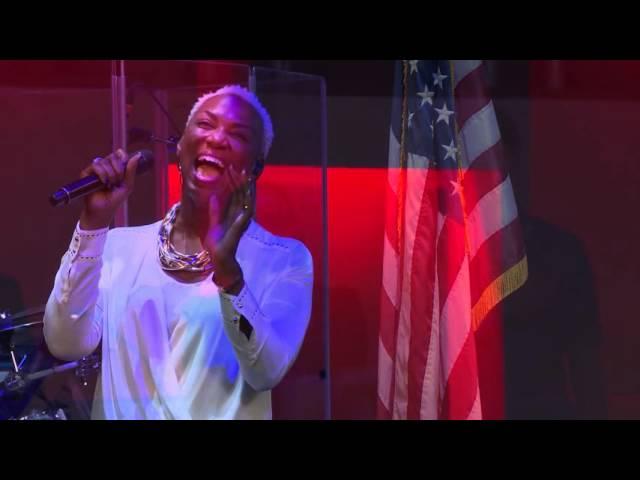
(24, 394)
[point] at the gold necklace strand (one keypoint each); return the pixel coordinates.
(170, 258)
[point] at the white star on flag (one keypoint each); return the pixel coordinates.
(443, 114)
(451, 150)
(414, 66)
(457, 188)
(427, 96)
(438, 78)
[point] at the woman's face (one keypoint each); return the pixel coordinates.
(225, 131)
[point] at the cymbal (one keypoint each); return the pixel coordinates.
(21, 319)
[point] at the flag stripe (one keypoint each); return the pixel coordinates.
(394, 162)
(479, 133)
(455, 318)
(486, 174)
(430, 402)
(388, 328)
(388, 339)
(494, 211)
(462, 68)
(385, 376)
(497, 254)
(471, 95)
(416, 179)
(422, 288)
(390, 272)
(382, 413)
(451, 253)
(476, 409)
(461, 393)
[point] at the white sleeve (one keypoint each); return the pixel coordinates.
(279, 322)
(73, 314)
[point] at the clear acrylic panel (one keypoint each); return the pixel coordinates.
(292, 202)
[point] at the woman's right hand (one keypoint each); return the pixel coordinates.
(101, 206)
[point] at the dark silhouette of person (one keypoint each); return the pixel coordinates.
(552, 335)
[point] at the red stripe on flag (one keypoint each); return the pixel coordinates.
(498, 253)
(423, 269)
(390, 315)
(471, 95)
(486, 173)
(462, 384)
(381, 412)
(451, 252)
(391, 217)
(388, 324)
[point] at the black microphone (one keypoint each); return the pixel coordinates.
(92, 183)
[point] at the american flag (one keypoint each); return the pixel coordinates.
(453, 247)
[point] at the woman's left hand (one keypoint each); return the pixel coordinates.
(226, 228)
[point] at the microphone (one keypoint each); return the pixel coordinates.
(92, 183)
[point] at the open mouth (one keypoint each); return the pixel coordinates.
(208, 168)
